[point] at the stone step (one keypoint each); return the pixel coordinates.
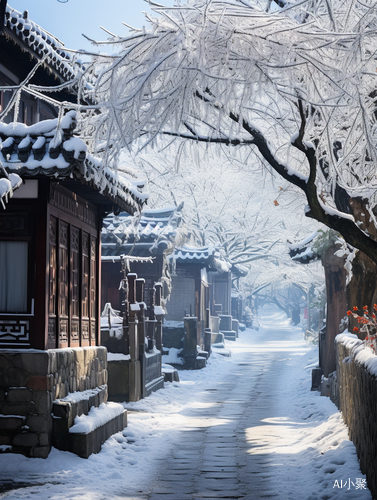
(90, 431)
(153, 385)
(229, 334)
(170, 373)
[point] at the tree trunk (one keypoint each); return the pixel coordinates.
(362, 290)
(335, 275)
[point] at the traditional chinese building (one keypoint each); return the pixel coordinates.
(149, 242)
(50, 253)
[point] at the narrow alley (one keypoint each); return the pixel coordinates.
(246, 426)
(244, 438)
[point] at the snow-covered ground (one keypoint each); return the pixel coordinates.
(310, 455)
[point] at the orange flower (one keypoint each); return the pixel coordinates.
(375, 306)
(355, 329)
(365, 308)
(349, 313)
(354, 308)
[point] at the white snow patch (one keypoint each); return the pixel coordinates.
(96, 417)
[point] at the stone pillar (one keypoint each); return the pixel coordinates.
(132, 287)
(124, 287)
(141, 314)
(225, 322)
(189, 352)
(215, 324)
(134, 365)
(133, 339)
(235, 325)
(152, 320)
(159, 316)
(208, 316)
(207, 340)
(132, 320)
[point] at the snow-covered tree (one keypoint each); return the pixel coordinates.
(247, 215)
(291, 82)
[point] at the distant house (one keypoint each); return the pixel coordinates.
(190, 286)
(143, 240)
(49, 253)
(186, 269)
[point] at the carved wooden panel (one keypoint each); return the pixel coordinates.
(63, 269)
(93, 280)
(74, 205)
(75, 333)
(85, 337)
(63, 332)
(15, 332)
(51, 334)
(14, 224)
(93, 332)
(75, 270)
(85, 275)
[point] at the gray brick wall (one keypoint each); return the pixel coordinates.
(183, 295)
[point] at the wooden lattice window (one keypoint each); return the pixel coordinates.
(72, 285)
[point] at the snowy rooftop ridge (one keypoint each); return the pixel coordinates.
(188, 253)
(41, 42)
(49, 148)
(153, 228)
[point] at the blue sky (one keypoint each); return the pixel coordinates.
(67, 21)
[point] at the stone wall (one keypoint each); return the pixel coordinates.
(182, 299)
(30, 380)
(357, 388)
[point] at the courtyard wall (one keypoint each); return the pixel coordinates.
(356, 373)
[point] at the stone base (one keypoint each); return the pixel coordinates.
(118, 380)
(316, 379)
(221, 349)
(217, 338)
(173, 336)
(154, 385)
(135, 389)
(200, 363)
(85, 444)
(203, 354)
(170, 373)
(229, 334)
(152, 378)
(65, 411)
(194, 362)
(31, 381)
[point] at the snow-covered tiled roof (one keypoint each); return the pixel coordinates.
(150, 234)
(193, 255)
(40, 42)
(143, 235)
(49, 148)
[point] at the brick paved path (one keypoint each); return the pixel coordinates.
(212, 458)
